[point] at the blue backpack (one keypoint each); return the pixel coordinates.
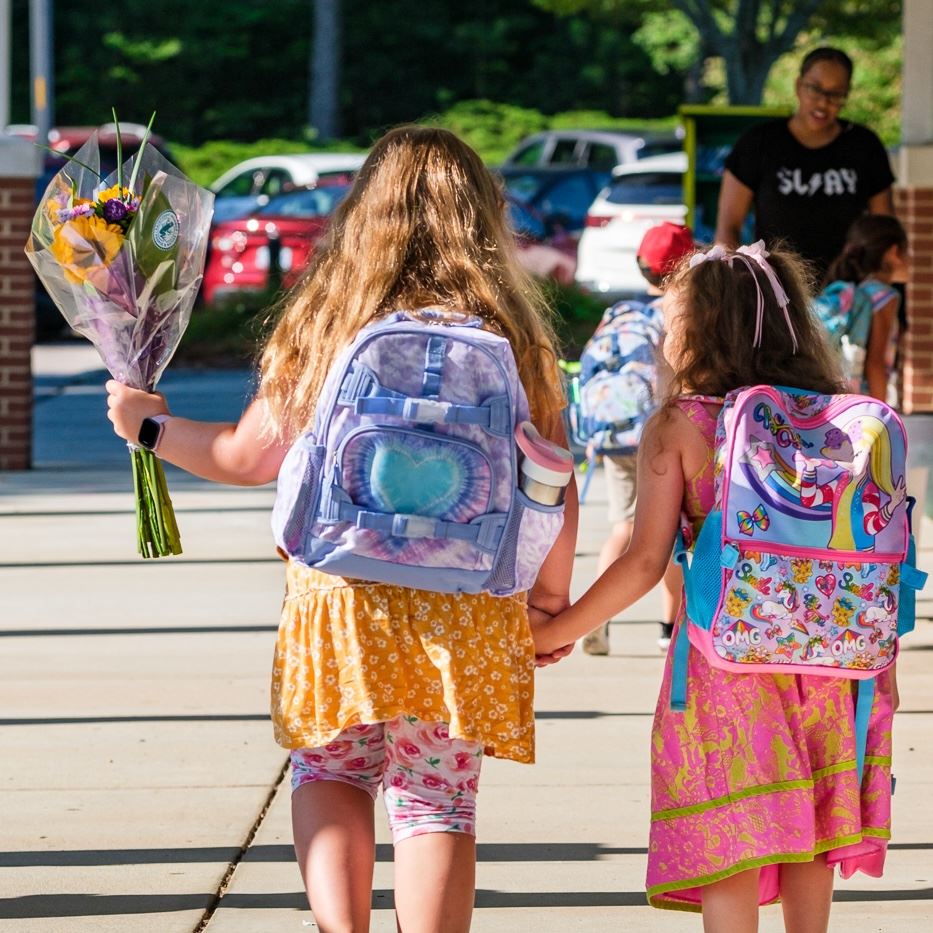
(409, 474)
(614, 394)
(845, 309)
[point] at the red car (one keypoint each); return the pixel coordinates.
(286, 230)
(283, 233)
(547, 251)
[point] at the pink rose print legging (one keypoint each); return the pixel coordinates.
(429, 780)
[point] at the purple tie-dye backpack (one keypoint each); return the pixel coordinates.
(409, 475)
(806, 563)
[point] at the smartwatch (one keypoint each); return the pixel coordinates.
(150, 431)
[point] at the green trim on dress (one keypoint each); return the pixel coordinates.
(731, 798)
(819, 774)
(655, 892)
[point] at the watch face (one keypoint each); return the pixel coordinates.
(149, 432)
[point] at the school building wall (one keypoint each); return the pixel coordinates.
(18, 170)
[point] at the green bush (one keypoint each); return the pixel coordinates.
(492, 129)
(227, 334)
(577, 313)
(203, 164)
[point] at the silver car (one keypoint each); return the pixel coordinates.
(601, 150)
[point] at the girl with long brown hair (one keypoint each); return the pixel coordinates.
(755, 794)
(377, 684)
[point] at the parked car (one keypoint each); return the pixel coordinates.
(639, 196)
(251, 184)
(561, 196)
(277, 238)
(67, 140)
(548, 254)
(601, 150)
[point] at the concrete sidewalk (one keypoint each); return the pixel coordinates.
(141, 791)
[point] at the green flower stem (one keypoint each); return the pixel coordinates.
(156, 528)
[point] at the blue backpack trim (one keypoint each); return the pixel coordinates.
(864, 701)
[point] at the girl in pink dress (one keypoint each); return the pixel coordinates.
(754, 791)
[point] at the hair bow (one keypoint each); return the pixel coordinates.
(757, 254)
(748, 521)
(717, 252)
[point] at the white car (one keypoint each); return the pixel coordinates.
(250, 184)
(640, 196)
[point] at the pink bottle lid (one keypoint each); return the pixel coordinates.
(545, 461)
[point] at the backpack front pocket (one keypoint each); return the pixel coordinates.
(410, 472)
(824, 616)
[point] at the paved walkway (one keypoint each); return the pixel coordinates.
(141, 792)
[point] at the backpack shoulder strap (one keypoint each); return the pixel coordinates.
(877, 293)
(695, 408)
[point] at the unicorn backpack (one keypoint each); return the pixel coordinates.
(410, 472)
(806, 563)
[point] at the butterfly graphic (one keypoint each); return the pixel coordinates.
(749, 520)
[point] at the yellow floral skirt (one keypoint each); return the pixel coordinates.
(350, 652)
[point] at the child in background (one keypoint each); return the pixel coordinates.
(661, 249)
(423, 227)
(874, 256)
(755, 793)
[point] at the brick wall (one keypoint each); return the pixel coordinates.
(17, 323)
(915, 210)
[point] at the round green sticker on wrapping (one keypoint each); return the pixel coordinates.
(154, 238)
(165, 230)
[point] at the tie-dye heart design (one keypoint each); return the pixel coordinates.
(415, 485)
(417, 474)
(826, 584)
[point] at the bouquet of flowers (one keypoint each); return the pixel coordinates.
(122, 258)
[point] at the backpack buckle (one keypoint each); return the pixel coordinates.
(425, 410)
(413, 526)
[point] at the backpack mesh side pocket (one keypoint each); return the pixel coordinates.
(297, 495)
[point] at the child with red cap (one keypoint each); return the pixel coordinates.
(660, 251)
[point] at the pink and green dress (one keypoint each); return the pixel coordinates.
(760, 769)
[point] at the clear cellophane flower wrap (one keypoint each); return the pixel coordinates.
(123, 262)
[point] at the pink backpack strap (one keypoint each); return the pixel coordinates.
(694, 407)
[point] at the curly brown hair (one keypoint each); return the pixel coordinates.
(719, 301)
(424, 225)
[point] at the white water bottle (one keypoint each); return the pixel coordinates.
(545, 468)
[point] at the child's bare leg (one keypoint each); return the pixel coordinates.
(731, 905)
(807, 896)
(333, 825)
(615, 545)
(671, 585)
(435, 878)
(597, 641)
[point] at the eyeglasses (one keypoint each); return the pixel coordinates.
(835, 98)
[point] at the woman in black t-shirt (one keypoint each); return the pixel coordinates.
(808, 177)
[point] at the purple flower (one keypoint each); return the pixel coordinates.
(115, 211)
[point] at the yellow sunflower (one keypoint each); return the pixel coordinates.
(85, 246)
(114, 191)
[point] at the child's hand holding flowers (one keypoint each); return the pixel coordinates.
(123, 263)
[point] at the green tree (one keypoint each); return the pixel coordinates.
(749, 35)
